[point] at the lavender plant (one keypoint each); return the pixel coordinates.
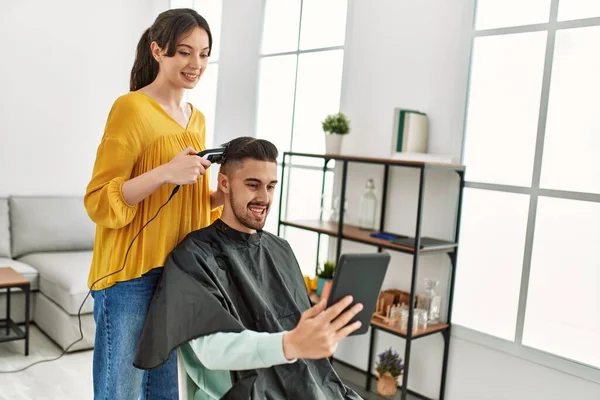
(390, 361)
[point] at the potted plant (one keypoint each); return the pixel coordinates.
(389, 368)
(335, 127)
(325, 274)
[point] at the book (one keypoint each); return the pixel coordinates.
(411, 131)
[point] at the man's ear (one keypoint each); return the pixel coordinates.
(223, 182)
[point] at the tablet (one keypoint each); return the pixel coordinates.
(361, 276)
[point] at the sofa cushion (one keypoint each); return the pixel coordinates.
(4, 229)
(63, 278)
(27, 271)
(49, 224)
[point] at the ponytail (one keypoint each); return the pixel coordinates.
(145, 67)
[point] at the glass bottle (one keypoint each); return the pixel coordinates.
(368, 207)
(430, 301)
(336, 209)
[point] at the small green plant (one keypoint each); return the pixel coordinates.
(327, 271)
(390, 361)
(337, 124)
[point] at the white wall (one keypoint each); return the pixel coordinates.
(64, 63)
(237, 99)
(415, 54)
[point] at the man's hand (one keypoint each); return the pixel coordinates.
(319, 331)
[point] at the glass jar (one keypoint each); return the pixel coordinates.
(422, 316)
(404, 314)
(395, 315)
(430, 301)
(368, 207)
(335, 211)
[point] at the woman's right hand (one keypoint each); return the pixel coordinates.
(185, 168)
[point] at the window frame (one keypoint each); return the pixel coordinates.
(289, 164)
(516, 348)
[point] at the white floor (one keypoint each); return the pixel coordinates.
(69, 377)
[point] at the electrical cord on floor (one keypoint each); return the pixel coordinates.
(175, 190)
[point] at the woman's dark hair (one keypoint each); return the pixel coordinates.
(245, 147)
(166, 31)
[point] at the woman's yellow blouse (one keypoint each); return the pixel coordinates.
(139, 136)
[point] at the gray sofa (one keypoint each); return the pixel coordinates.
(49, 240)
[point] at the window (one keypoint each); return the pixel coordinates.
(577, 9)
(487, 287)
(528, 272)
(493, 14)
(565, 265)
(300, 83)
(204, 95)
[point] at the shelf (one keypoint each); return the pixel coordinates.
(401, 243)
(381, 161)
(395, 330)
(354, 233)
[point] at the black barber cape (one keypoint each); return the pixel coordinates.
(222, 280)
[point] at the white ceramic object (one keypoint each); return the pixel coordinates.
(333, 143)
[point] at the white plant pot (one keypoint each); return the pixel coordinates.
(333, 143)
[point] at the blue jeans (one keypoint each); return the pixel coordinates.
(120, 312)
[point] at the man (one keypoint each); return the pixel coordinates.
(232, 299)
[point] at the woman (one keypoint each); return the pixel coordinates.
(146, 151)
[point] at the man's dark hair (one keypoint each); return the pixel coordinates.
(245, 147)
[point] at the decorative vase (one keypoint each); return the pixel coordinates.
(333, 143)
(387, 385)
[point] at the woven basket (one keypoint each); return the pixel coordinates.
(387, 385)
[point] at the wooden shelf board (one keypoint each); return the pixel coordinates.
(352, 232)
(314, 298)
(380, 160)
(421, 332)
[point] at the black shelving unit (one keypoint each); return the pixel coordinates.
(343, 231)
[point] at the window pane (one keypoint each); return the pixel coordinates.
(572, 140)
(563, 304)
(576, 9)
(212, 10)
(276, 100)
(204, 98)
(280, 26)
(504, 13)
(323, 23)
(304, 202)
(503, 108)
(304, 245)
(488, 276)
(318, 94)
(304, 199)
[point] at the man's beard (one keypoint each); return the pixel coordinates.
(245, 216)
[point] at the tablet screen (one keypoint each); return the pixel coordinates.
(360, 276)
